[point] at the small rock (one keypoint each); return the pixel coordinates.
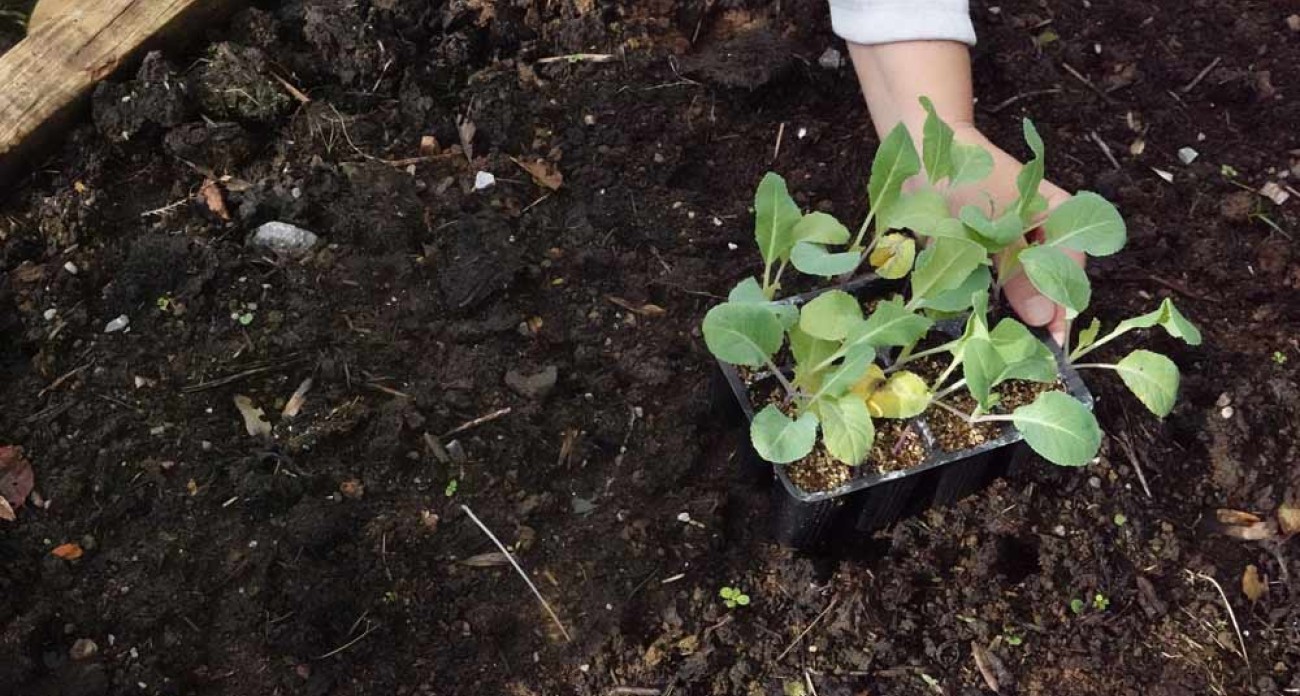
(1293, 22)
(70, 267)
(831, 59)
(1223, 400)
(284, 238)
(117, 324)
(1187, 155)
(456, 451)
(1273, 192)
(483, 180)
(1227, 412)
(536, 386)
(50, 314)
(1094, 482)
(83, 649)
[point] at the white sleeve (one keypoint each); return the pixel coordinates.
(886, 21)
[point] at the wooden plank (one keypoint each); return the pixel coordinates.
(49, 74)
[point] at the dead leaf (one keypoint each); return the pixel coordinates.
(1252, 585)
(429, 146)
(6, 512)
(352, 489)
(210, 194)
(486, 560)
(982, 662)
(28, 272)
(1236, 517)
(1255, 532)
(68, 552)
(543, 172)
(16, 477)
(254, 418)
(296, 401)
(647, 310)
(1288, 518)
(466, 129)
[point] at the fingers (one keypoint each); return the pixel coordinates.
(1059, 327)
(1030, 305)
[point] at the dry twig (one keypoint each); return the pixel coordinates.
(1200, 76)
(803, 633)
(519, 570)
(1231, 614)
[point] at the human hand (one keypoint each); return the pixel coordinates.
(1033, 308)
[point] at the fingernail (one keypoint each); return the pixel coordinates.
(1037, 310)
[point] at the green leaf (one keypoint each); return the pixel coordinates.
(1058, 277)
(896, 161)
(977, 324)
(1059, 428)
(893, 256)
(944, 265)
(970, 164)
(1088, 336)
(903, 395)
(780, 440)
(815, 259)
(775, 215)
(998, 233)
(1031, 175)
(958, 299)
(1153, 378)
(936, 144)
(742, 334)
(1013, 340)
(808, 350)
(830, 315)
(821, 228)
(1168, 317)
(747, 291)
(1088, 223)
(847, 429)
(948, 227)
(847, 374)
(981, 366)
(1024, 356)
(918, 211)
(890, 325)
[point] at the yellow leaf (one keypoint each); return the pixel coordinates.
(870, 382)
(903, 396)
(893, 256)
(1252, 585)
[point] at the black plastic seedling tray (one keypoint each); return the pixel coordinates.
(873, 500)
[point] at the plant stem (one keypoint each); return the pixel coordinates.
(791, 392)
(951, 388)
(767, 280)
(777, 283)
(1080, 352)
(862, 231)
(905, 358)
(1065, 347)
(946, 374)
(954, 411)
(1095, 366)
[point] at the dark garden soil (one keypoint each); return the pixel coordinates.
(334, 558)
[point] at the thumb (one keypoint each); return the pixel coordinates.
(1030, 305)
